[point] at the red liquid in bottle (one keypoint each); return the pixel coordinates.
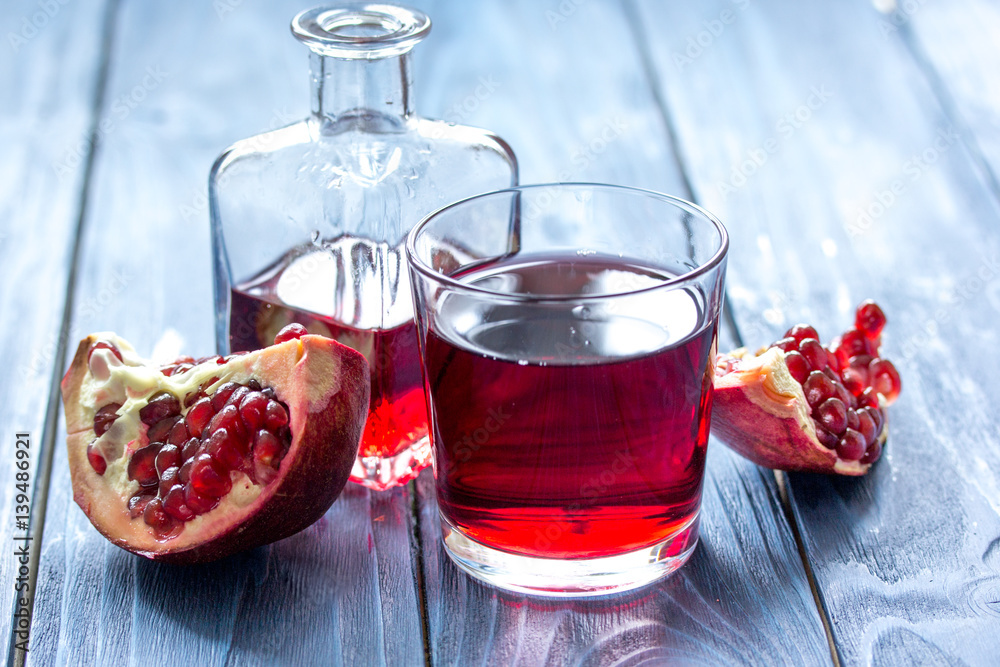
(397, 415)
(567, 433)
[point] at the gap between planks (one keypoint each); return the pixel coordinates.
(43, 472)
(417, 551)
(728, 320)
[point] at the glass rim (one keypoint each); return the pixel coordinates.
(713, 262)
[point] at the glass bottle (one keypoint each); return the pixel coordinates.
(309, 221)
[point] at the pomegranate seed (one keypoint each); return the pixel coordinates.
(192, 397)
(827, 439)
(252, 409)
(168, 480)
(96, 459)
(833, 415)
(870, 319)
(198, 416)
(208, 480)
(797, 366)
(872, 453)
(175, 506)
(225, 418)
(224, 449)
(866, 427)
(852, 446)
(184, 474)
(222, 395)
(268, 391)
(142, 465)
(834, 361)
(137, 504)
(275, 416)
(854, 343)
(198, 503)
(846, 397)
(852, 419)
(787, 345)
(190, 449)
(159, 407)
(818, 387)
(178, 434)
(868, 399)
(168, 457)
(207, 358)
(290, 332)
(876, 417)
(842, 356)
(175, 370)
(105, 417)
(884, 378)
(253, 384)
(160, 430)
(155, 516)
(854, 381)
(800, 332)
(814, 353)
(237, 396)
(267, 448)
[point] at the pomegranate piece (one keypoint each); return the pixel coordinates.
(262, 442)
(292, 331)
(800, 406)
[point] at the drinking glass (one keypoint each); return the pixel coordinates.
(567, 334)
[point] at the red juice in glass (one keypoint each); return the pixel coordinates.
(575, 431)
(397, 415)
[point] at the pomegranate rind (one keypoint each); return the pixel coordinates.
(761, 412)
(326, 387)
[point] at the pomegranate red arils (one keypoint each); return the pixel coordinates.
(797, 366)
(198, 503)
(168, 457)
(252, 409)
(852, 446)
(208, 480)
(800, 332)
(222, 395)
(198, 416)
(156, 517)
(97, 460)
(137, 504)
(175, 505)
(801, 406)
(275, 416)
(159, 407)
(105, 417)
(290, 332)
(142, 466)
(884, 379)
(870, 319)
(178, 434)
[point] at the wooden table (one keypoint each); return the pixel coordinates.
(851, 152)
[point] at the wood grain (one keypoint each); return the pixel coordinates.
(573, 111)
(186, 80)
(905, 558)
(49, 71)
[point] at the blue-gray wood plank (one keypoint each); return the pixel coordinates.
(576, 112)
(48, 71)
(822, 143)
(185, 80)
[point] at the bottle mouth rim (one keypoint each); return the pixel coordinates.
(361, 30)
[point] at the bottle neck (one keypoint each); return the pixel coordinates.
(346, 89)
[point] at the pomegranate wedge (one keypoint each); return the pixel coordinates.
(799, 406)
(197, 460)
